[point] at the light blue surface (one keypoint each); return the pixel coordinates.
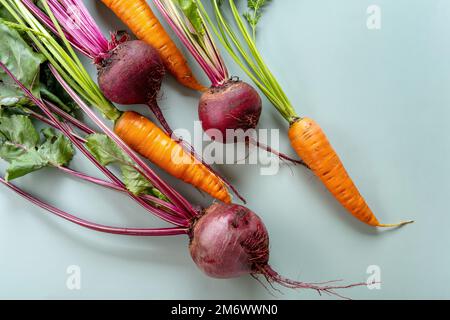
(383, 98)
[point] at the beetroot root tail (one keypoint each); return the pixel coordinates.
(325, 288)
(282, 156)
(156, 110)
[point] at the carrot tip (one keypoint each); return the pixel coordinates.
(398, 225)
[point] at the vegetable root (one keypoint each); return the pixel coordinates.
(230, 241)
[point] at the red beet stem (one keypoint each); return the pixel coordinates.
(282, 156)
(156, 110)
(94, 226)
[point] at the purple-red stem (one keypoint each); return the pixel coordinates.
(77, 123)
(100, 182)
(188, 148)
(182, 222)
(78, 26)
(144, 169)
(96, 49)
(215, 81)
(48, 23)
(115, 187)
(95, 226)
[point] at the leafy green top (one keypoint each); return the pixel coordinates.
(27, 65)
(107, 152)
(22, 148)
(17, 55)
(254, 13)
(61, 56)
(190, 10)
(241, 46)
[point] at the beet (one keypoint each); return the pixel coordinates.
(220, 244)
(233, 106)
(132, 74)
(230, 241)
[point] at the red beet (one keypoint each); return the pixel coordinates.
(234, 106)
(230, 241)
(132, 74)
(226, 240)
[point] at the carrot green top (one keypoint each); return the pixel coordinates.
(243, 49)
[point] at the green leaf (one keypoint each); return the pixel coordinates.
(21, 147)
(52, 91)
(23, 62)
(190, 10)
(105, 150)
(254, 13)
(26, 163)
(4, 14)
(107, 153)
(56, 148)
(9, 152)
(19, 129)
(135, 182)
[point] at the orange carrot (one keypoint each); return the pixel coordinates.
(139, 17)
(147, 139)
(312, 145)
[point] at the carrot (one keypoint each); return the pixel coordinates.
(139, 17)
(147, 139)
(312, 145)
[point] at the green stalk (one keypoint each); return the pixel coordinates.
(250, 61)
(246, 63)
(268, 77)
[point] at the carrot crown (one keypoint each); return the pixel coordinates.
(242, 48)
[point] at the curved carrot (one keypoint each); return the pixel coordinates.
(150, 141)
(139, 17)
(312, 145)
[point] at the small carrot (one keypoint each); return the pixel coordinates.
(312, 145)
(139, 17)
(150, 141)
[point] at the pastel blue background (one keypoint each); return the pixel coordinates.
(383, 98)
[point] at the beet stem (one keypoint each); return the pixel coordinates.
(100, 182)
(77, 123)
(95, 226)
(115, 187)
(156, 110)
(282, 156)
(64, 128)
(143, 168)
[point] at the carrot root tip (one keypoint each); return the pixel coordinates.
(398, 225)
